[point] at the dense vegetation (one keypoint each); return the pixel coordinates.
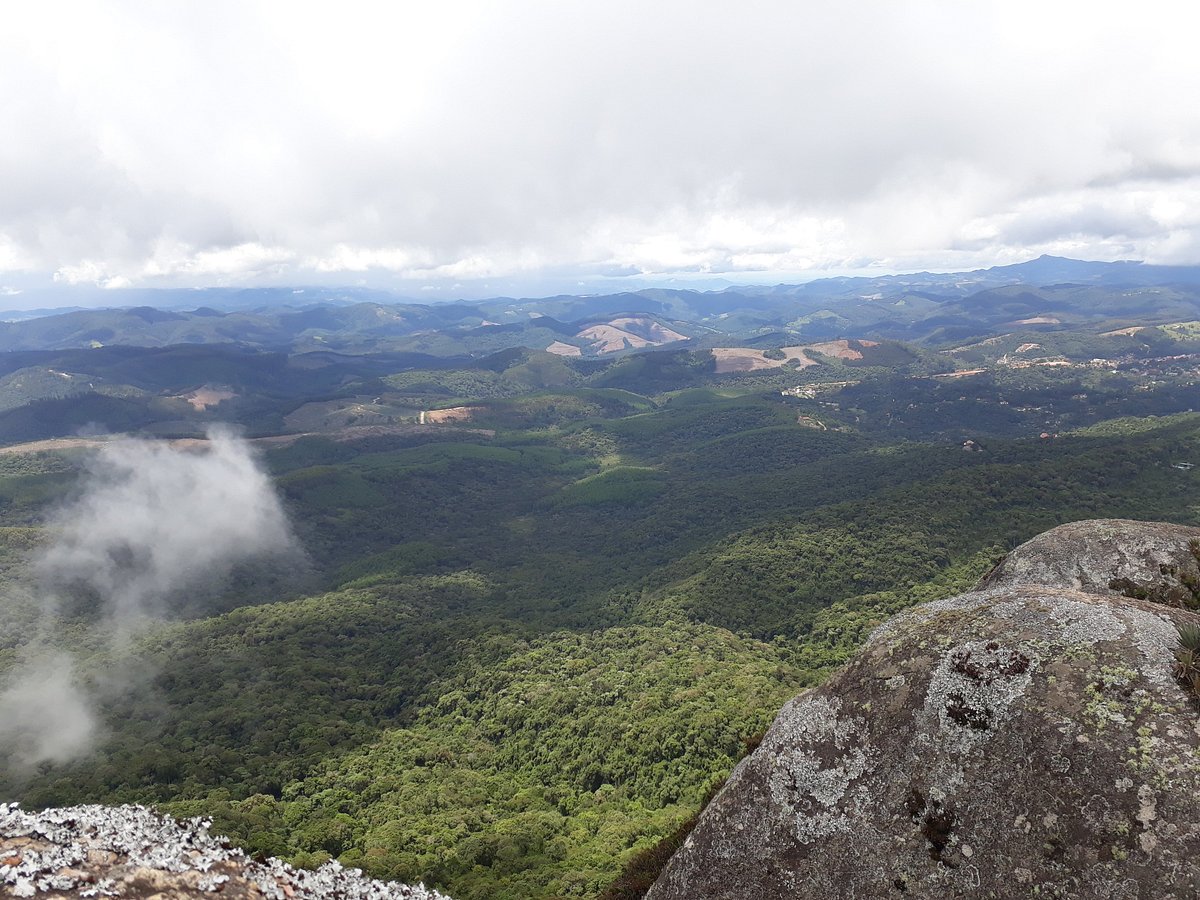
(534, 775)
(531, 643)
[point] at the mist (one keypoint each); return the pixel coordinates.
(150, 525)
(44, 714)
(152, 520)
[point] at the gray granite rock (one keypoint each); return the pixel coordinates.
(1021, 740)
(1146, 560)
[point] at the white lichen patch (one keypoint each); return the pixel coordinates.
(61, 850)
(1156, 638)
(973, 687)
(815, 791)
(918, 617)
(1081, 622)
(1064, 618)
(1147, 806)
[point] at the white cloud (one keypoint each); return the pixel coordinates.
(344, 258)
(246, 259)
(223, 142)
(150, 528)
(12, 257)
(87, 271)
(44, 713)
(152, 520)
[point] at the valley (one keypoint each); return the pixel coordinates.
(550, 600)
(590, 451)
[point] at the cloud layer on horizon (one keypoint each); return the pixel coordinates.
(228, 143)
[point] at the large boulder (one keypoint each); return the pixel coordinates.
(1145, 560)
(1020, 740)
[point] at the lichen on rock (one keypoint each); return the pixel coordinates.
(1023, 739)
(133, 852)
(972, 688)
(815, 757)
(1144, 560)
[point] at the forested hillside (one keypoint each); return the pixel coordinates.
(528, 644)
(439, 439)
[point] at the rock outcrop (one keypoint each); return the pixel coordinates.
(1025, 739)
(1144, 560)
(129, 851)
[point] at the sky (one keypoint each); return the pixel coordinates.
(459, 149)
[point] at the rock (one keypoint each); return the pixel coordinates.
(132, 852)
(1018, 740)
(1145, 560)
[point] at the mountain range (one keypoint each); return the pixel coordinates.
(1047, 293)
(561, 561)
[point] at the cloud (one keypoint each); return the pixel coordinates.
(45, 715)
(274, 142)
(150, 526)
(152, 520)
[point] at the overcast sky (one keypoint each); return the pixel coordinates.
(472, 148)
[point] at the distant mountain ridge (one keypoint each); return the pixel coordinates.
(1044, 270)
(924, 307)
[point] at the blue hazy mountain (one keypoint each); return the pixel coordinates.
(1047, 292)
